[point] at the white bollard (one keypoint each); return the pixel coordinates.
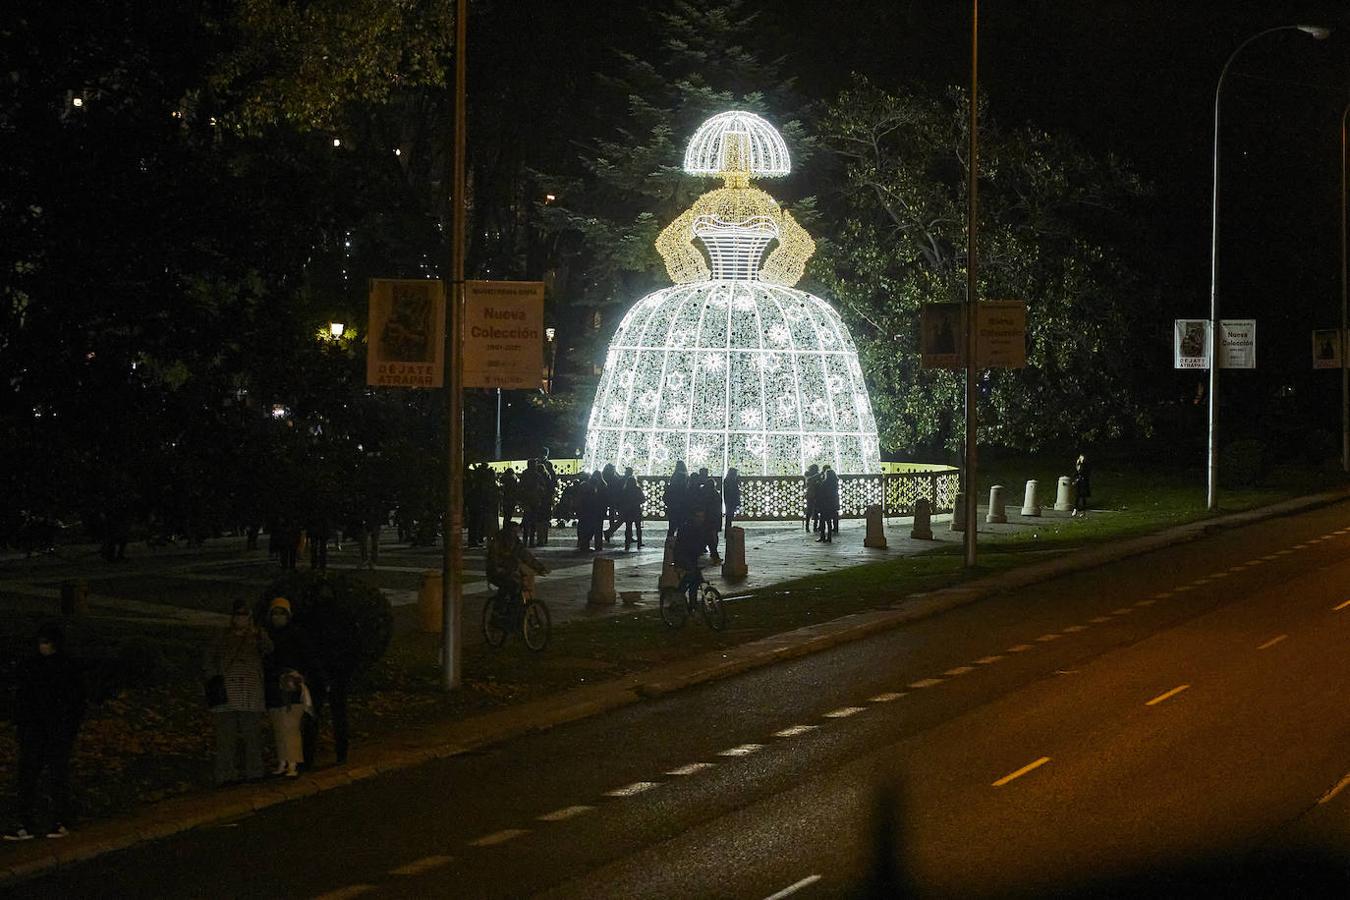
(1029, 505)
(997, 513)
(923, 521)
(959, 513)
(602, 583)
(876, 529)
(733, 555)
(1064, 496)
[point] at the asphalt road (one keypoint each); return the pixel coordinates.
(1180, 714)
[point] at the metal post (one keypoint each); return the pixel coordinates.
(972, 271)
(452, 566)
(1345, 372)
(497, 444)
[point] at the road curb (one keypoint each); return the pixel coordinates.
(440, 742)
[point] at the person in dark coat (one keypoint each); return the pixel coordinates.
(688, 548)
(731, 495)
(828, 499)
(630, 508)
(293, 672)
(473, 506)
(49, 705)
(613, 491)
(591, 506)
(710, 503)
(510, 494)
(1082, 485)
(812, 478)
(676, 497)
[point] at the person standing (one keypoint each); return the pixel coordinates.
(510, 494)
(630, 508)
(731, 495)
(828, 500)
(711, 503)
(290, 669)
(613, 491)
(812, 478)
(49, 707)
(676, 497)
(1082, 486)
(234, 662)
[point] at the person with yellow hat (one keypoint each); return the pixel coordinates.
(291, 667)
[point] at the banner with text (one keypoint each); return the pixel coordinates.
(1000, 335)
(503, 334)
(406, 338)
(1190, 344)
(1237, 343)
(1327, 348)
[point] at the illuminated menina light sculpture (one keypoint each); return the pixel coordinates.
(732, 366)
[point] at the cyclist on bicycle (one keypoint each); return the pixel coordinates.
(509, 563)
(690, 542)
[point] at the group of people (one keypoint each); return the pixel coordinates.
(488, 498)
(606, 494)
(822, 502)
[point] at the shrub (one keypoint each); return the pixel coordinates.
(349, 620)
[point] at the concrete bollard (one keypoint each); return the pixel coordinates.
(1064, 496)
(74, 597)
(429, 602)
(733, 555)
(602, 583)
(923, 521)
(998, 513)
(1029, 505)
(876, 528)
(959, 513)
(670, 576)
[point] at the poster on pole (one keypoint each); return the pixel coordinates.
(1326, 348)
(1237, 343)
(1001, 335)
(942, 329)
(406, 338)
(1190, 344)
(503, 334)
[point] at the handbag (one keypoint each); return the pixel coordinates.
(215, 691)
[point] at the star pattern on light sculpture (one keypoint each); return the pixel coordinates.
(732, 366)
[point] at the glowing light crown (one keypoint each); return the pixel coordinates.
(739, 142)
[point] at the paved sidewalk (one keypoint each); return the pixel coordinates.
(416, 746)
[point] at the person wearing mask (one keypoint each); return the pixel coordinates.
(50, 701)
(233, 669)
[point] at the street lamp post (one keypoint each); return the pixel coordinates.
(971, 501)
(1212, 501)
(1345, 371)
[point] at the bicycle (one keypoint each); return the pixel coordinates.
(505, 612)
(685, 600)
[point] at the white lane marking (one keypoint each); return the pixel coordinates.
(1341, 606)
(886, 697)
(742, 750)
(984, 661)
(1022, 771)
(1167, 695)
(1204, 580)
(1018, 648)
(1074, 629)
(691, 769)
(1162, 595)
(1239, 567)
(1047, 638)
(1331, 794)
(795, 730)
(1217, 575)
(1300, 546)
(959, 670)
(499, 837)
(1123, 611)
(1272, 642)
(1269, 556)
(630, 790)
(794, 888)
(1100, 619)
(425, 864)
(567, 812)
(1182, 588)
(926, 682)
(1146, 602)
(1283, 552)
(845, 712)
(351, 890)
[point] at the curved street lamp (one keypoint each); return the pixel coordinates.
(1317, 33)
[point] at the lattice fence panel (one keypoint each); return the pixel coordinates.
(773, 498)
(857, 492)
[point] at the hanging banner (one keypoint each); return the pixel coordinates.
(1237, 343)
(406, 338)
(1327, 348)
(942, 329)
(1190, 344)
(1000, 335)
(503, 334)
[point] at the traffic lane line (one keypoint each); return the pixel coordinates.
(795, 731)
(844, 712)
(886, 697)
(499, 837)
(425, 864)
(925, 682)
(1029, 767)
(1331, 794)
(567, 812)
(632, 790)
(1272, 642)
(794, 888)
(1167, 695)
(742, 750)
(351, 890)
(1343, 605)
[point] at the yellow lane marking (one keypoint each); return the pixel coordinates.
(926, 682)
(1167, 695)
(845, 712)
(886, 697)
(1047, 638)
(1029, 767)
(1272, 642)
(742, 750)
(632, 790)
(1018, 648)
(567, 812)
(425, 864)
(1342, 606)
(986, 660)
(690, 769)
(499, 837)
(1331, 794)
(959, 670)
(351, 890)
(1074, 629)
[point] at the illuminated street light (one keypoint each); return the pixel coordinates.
(335, 329)
(77, 102)
(1212, 502)
(337, 142)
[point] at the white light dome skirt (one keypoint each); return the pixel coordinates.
(740, 373)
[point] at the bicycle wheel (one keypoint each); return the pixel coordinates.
(493, 630)
(674, 609)
(535, 624)
(714, 613)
